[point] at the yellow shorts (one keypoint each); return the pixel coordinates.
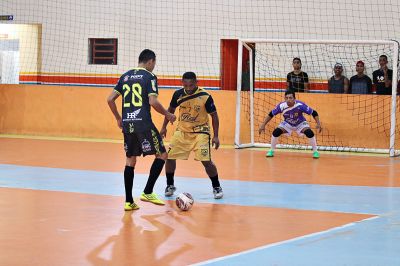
(183, 143)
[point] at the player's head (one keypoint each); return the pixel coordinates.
(338, 69)
(189, 81)
(360, 67)
(290, 97)
(147, 59)
(383, 60)
(296, 63)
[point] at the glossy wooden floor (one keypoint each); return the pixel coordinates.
(47, 227)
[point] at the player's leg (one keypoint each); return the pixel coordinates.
(151, 143)
(281, 129)
(131, 151)
(212, 173)
(180, 147)
(202, 152)
(170, 167)
(311, 138)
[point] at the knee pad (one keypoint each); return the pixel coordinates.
(277, 132)
(309, 133)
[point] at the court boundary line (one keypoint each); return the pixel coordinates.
(220, 259)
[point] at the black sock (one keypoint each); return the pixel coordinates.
(129, 174)
(215, 181)
(170, 178)
(155, 171)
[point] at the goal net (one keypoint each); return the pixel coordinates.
(351, 122)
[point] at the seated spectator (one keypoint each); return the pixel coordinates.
(383, 77)
(360, 83)
(338, 83)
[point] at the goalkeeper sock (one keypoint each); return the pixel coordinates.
(313, 143)
(274, 141)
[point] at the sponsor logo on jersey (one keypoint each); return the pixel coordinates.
(133, 116)
(135, 76)
(186, 117)
(146, 147)
(131, 128)
(154, 85)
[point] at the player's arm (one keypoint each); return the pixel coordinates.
(160, 109)
(163, 131)
(316, 118)
(212, 111)
(215, 125)
(111, 103)
(265, 122)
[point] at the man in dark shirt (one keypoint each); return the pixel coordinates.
(383, 77)
(338, 83)
(297, 80)
(139, 90)
(360, 83)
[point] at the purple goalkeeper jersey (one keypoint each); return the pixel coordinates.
(293, 115)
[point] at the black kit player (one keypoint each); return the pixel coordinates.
(139, 90)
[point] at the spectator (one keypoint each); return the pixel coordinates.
(360, 83)
(297, 80)
(383, 77)
(338, 83)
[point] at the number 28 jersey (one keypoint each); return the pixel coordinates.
(135, 87)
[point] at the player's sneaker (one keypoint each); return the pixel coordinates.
(169, 190)
(270, 153)
(218, 194)
(153, 198)
(131, 206)
(315, 155)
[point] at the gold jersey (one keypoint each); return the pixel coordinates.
(193, 110)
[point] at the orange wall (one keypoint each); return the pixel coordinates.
(350, 120)
(83, 111)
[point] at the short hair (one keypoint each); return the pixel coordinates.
(384, 56)
(290, 92)
(189, 75)
(146, 55)
(296, 58)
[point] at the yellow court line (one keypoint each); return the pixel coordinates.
(14, 136)
(106, 75)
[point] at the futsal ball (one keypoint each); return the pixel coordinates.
(184, 201)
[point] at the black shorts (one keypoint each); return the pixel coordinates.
(147, 143)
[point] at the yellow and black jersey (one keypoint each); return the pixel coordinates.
(135, 87)
(193, 110)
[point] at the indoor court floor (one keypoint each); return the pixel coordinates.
(61, 203)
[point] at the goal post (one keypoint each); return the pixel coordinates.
(351, 122)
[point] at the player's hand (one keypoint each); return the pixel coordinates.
(119, 123)
(319, 127)
(170, 117)
(215, 142)
(163, 132)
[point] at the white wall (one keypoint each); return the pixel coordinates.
(186, 34)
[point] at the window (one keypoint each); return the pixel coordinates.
(103, 51)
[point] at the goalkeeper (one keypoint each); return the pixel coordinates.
(294, 120)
